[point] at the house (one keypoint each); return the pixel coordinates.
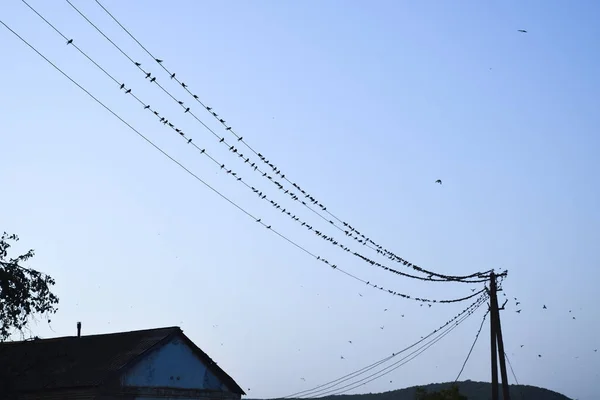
(150, 364)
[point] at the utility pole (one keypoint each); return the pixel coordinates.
(493, 337)
(497, 344)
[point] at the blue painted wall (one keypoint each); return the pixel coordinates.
(173, 365)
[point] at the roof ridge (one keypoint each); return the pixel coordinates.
(93, 335)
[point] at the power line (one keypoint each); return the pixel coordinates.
(354, 374)
(385, 359)
(511, 369)
(239, 179)
(403, 361)
(472, 346)
(347, 229)
(335, 267)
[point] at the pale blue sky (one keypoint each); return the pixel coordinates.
(365, 104)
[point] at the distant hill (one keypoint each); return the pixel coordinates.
(473, 391)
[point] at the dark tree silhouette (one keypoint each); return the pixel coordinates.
(445, 394)
(24, 292)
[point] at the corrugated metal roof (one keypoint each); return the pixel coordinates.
(71, 362)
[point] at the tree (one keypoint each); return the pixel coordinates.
(24, 292)
(446, 394)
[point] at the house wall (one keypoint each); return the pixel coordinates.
(173, 365)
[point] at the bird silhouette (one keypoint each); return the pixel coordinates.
(545, 308)
(439, 181)
(128, 91)
(183, 84)
(518, 311)
(381, 327)
(521, 30)
(189, 141)
(148, 75)
(122, 86)
(158, 61)
(147, 107)
(187, 110)
(69, 41)
(173, 75)
(153, 79)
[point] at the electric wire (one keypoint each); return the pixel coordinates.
(403, 361)
(348, 229)
(240, 208)
(511, 368)
(354, 374)
(229, 171)
(472, 346)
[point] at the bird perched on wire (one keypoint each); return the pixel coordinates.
(439, 181)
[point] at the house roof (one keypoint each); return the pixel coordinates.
(70, 362)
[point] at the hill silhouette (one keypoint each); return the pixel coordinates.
(473, 391)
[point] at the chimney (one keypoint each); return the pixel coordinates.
(79, 329)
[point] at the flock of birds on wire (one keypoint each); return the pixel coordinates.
(274, 175)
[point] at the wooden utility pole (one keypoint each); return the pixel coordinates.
(497, 344)
(493, 337)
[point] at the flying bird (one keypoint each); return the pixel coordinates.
(545, 308)
(439, 181)
(521, 30)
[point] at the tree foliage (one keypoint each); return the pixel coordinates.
(445, 394)
(24, 292)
